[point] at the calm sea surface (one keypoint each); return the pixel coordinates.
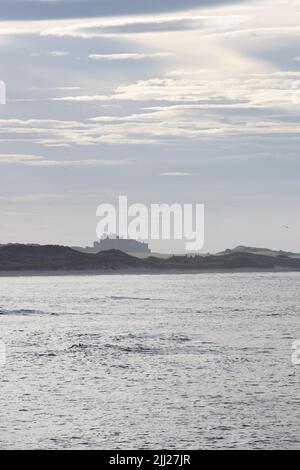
(162, 361)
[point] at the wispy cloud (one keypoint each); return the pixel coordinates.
(253, 91)
(19, 158)
(131, 27)
(39, 161)
(130, 56)
(59, 53)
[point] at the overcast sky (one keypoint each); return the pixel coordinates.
(165, 101)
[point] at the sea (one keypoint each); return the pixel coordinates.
(193, 361)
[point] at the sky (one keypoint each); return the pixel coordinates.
(165, 102)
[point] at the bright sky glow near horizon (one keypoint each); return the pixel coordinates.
(163, 101)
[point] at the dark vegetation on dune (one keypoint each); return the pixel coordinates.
(60, 258)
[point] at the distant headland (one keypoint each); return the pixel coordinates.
(21, 259)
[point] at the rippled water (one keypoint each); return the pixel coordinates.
(131, 362)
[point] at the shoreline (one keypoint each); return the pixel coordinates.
(143, 272)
